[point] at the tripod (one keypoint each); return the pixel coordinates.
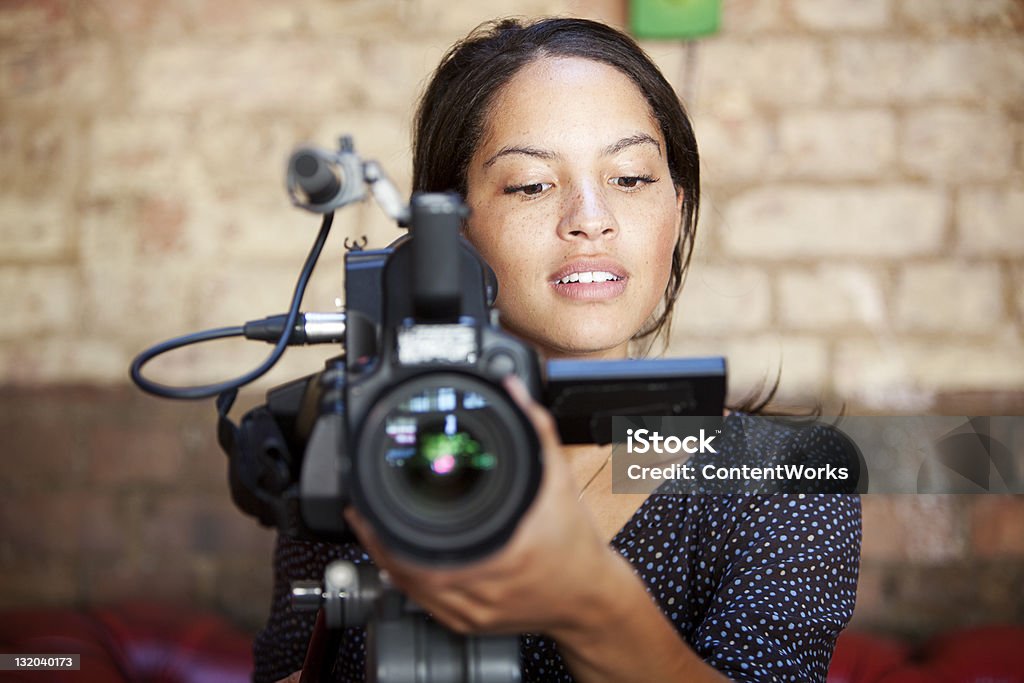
(404, 645)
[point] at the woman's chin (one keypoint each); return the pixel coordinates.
(590, 347)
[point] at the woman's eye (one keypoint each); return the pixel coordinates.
(529, 190)
(632, 182)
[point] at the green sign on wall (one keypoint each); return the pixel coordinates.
(674, 18)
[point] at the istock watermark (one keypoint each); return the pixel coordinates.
(644, 441)
(850, 454)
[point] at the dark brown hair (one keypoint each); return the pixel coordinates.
(454, 109)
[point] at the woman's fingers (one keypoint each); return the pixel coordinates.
(542, 421)
(490, 595)
(459, 602)
(369, 540)
(415, 580)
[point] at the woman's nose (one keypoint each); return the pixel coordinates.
(587, 215)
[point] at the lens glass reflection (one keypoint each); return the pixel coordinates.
(437, 445)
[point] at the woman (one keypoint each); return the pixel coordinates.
(581, 171)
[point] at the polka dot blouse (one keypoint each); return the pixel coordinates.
(759, 586)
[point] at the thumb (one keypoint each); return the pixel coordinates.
(540, 418)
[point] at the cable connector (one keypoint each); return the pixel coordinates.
(310, 328)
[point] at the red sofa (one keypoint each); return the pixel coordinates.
(137, 642)
(984, 654)
(159, 643)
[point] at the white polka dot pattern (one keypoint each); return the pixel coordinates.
(759, 586)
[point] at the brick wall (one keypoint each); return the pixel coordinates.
(109, 494)
(863, 168)
(864, 179)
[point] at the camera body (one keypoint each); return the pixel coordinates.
(432, 451)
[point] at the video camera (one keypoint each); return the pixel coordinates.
(410, 424)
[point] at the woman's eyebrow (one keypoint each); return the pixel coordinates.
(516, 149)
(547, 155)
(638, 139)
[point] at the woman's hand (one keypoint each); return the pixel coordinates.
(555, 576)
(542, 581)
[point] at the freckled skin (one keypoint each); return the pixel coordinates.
(571, 189)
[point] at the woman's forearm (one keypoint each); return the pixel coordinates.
(618, 634)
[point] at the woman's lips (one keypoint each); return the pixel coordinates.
(590, 291)
(582, 265)
(590, 279)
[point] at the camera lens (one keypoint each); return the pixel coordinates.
(446, 463)
(442, 449)
(445, 466)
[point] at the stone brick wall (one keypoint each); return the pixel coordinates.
(863, 230)
(862, 165)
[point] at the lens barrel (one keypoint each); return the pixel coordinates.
(445, 465)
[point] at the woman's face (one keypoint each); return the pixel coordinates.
(573, 207)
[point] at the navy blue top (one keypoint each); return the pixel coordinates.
(758, 585)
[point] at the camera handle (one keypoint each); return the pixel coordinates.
(414, 648)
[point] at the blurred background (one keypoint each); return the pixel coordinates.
(862, 233)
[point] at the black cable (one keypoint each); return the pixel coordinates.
(207, 390)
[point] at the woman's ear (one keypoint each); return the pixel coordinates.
(680, 198)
